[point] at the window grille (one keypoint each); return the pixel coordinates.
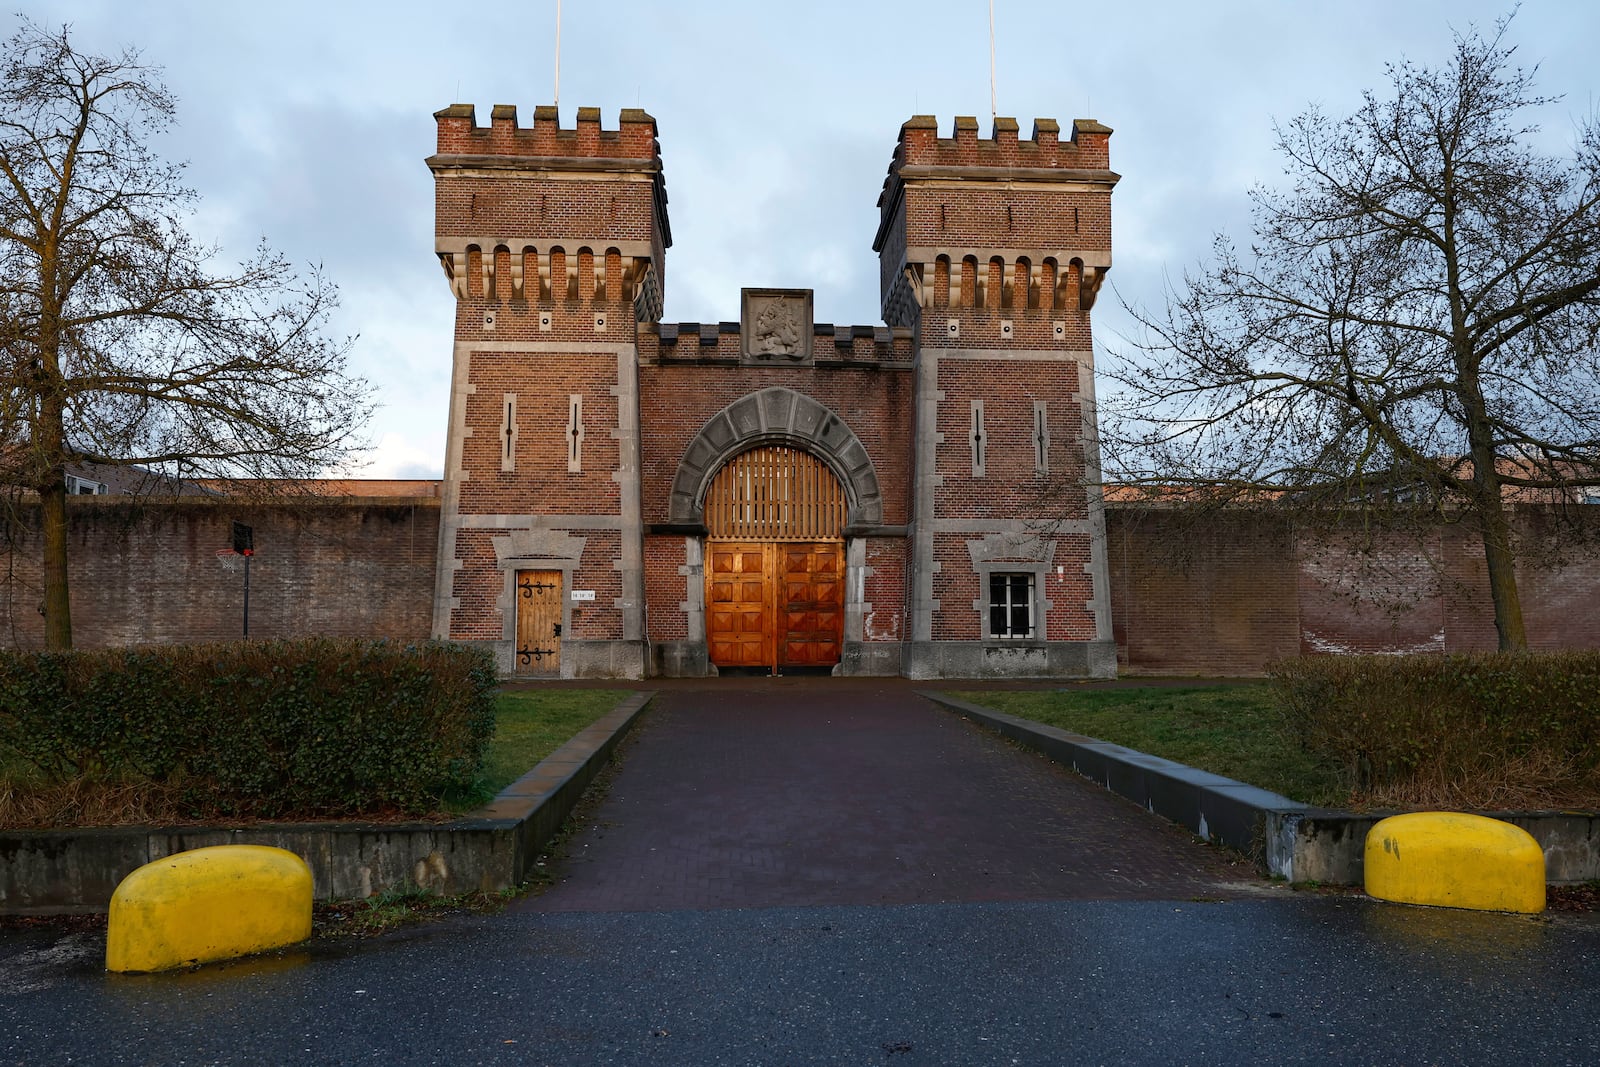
(1011, 607)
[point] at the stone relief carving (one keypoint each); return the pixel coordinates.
(776, 326)
(777, 330)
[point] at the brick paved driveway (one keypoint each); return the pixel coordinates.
(762, 792)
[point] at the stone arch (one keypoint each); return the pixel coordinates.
(776, 416)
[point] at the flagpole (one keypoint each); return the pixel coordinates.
(558, 53)
(994, 108)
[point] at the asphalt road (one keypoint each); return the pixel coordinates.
(861, 882)
(1282, 978)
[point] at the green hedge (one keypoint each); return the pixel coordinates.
(1388, 720)
(261, 728)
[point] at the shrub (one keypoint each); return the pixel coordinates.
(265, 728)
(1478, 728)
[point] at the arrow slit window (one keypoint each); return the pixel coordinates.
(1041, 438)
(508, 432)
(575, 432)
(978, 439)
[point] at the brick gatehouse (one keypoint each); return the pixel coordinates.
(628, 497)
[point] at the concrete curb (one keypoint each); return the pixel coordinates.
(1288, 839)
(53, 872)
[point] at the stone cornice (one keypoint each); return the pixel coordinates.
(1011, 174)
(540, 164)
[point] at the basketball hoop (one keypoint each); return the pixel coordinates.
(232, 562)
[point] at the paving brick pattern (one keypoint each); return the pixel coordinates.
(758, 793)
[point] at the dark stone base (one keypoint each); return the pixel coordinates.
(875, 659)
(978, 659)
(927, 659)
(680, 659)
(579, 659)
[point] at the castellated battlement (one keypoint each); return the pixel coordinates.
(720, 343)
(542, 214)
(921, 154)
(995, 223)
(921, 146)
(633, 139)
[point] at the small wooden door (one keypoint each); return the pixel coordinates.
(812, 619)
(739, 605)
(538, 622)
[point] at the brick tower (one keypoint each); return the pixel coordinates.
(992, 250)
(552, 240)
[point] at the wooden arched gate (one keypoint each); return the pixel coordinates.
(775, 561)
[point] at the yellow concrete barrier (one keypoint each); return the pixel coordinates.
(208, 904)
(1455, 861)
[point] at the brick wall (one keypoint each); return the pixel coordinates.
(150, 574)
(540, 482)
(1232, 593)
(885, 589)
(1214, 599)
(678, 400)
(1011, 482)
(1224, 597)
(666, 587)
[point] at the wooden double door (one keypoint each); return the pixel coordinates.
(774, 604)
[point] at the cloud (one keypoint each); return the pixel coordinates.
(398, 455)
(307, 122)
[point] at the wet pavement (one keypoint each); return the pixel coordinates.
(769, 879)
(822, 792)
(1286, 979)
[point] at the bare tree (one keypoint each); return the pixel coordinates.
(120, 343)
(1414, 327)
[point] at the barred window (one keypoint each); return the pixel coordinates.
(1010, 606)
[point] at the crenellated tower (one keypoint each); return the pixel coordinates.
(992, 250)
(625, 497)
(553, 242)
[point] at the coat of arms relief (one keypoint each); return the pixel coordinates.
(776, 326)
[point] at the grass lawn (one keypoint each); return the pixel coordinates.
(1233, 730)
(529, 725)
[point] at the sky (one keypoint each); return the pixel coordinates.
(307, 124)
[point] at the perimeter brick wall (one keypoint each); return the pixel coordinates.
(1225, 598)
(149, 573)
(1233, 594)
